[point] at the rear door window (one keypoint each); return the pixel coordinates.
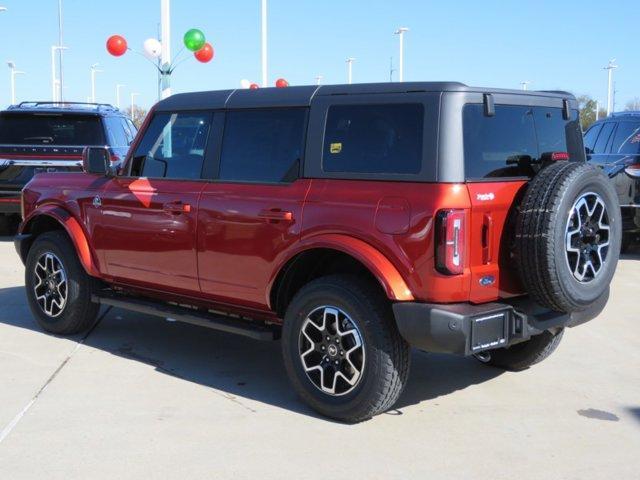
(116, 132)
(373, 139)
(173, 146)
(504, 145)
(600, 147)
(262, 145)
(50, 129)
(626, 140)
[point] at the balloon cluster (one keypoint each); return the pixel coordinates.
(280, 83)
(194, 40)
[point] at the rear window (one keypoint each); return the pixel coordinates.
(505, 144)
(373, 139)
(50, 129)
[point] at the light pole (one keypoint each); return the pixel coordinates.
(264, 42)
(319, 79)
(3, 9)
(525, 84)
(400, 32)
(55, 95)
(350, 61)
(60, 42)
(14, 72)
(611, 66)
(118, 87)
(165, 42)
(94, 70)
(133, 96)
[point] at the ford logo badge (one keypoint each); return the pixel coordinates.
(487, 280)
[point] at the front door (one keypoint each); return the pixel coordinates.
(147, 233)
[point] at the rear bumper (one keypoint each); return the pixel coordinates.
(466, 329)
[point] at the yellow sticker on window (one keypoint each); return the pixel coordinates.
(335, 147)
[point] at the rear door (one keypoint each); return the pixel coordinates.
(147, 231)
(252, 213)
(498, 150)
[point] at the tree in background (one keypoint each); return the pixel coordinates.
(633, 105)
(139, 115)
(587, 106)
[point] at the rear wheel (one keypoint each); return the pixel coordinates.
(58, 289)
(342, 350)
(523, 355)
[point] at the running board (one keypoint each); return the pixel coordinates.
(187, 315)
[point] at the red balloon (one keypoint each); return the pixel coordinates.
(205, 54)
(281, 83)
(254, 86)
(116, 45)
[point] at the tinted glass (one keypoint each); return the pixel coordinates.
(591, 136)
(116, 131)
(373, 139)
(173, 146)
(603, 138)
(262, 145)
(626, 140)
(50, 129)
(505, 144)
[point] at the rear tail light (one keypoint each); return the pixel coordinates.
(633, 170)
(450, 245)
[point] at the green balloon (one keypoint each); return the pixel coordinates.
(194, 39)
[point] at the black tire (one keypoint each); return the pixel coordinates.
(523, 355)
(542, 223)
(78, 312)
(386, 365)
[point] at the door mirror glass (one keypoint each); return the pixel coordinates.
(97, 160)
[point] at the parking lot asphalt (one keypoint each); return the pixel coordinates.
(140, 397)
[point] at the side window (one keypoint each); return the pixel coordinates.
(116, 132)
(173, 146)
(128, 133)
(591, 136)
(601, 143)
(498, 146)
(373, 139)
(626, 140)
(262, 145)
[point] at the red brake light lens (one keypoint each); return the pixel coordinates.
(555, 156)
(450, 244)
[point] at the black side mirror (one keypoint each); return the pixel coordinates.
(97, 160)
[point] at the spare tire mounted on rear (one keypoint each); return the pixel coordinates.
(567, 236)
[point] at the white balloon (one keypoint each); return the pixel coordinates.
(244, 83)
(152, 48)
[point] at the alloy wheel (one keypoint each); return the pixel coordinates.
(51, 287)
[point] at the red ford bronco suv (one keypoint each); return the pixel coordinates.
(351, 221)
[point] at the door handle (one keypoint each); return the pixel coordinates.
(276, 214)
(176, 208)
(487, 238)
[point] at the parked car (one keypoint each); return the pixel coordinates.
(613, 143)
(49, 137)
(352, 221)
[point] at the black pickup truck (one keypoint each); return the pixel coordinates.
(48, 137)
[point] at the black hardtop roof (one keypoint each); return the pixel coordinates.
(83, 108)
(301, 96)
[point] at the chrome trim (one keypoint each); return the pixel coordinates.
(5, 162)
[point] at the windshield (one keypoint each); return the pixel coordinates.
(50, 129)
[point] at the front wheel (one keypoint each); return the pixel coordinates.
(58, 289)
(342, 350)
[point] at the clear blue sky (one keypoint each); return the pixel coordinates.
(554, 44)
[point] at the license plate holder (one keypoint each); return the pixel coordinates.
(489, 331)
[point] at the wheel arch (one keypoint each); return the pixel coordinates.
(321, 256)
(53, 217)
